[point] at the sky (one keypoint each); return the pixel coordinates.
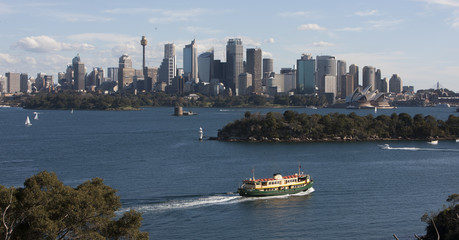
(416, 39)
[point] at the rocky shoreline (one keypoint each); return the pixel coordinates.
(333, 139)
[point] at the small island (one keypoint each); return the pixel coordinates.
(294, 127)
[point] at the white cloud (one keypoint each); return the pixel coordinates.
(168, 16)
(266, 54)
(73, 17)
(311, 26)
(295, 14)
(5, 9)
(203, 30)
(104, 37)
(448, 3)
(30, 61)
(269, 40)
(350, 29)
(322, 44)
(48, 44)
(368, 13)
(385, 24)
(5, 58)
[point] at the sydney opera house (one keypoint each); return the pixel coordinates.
(367, 99)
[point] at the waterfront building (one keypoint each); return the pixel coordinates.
(79, 73)
(306, 74)
(254, 61)
(13, 82)
(395, 84)
(206, 66)
(125, 72)
(347, 84)
(190, 62)
(234, 63)
(368, 76)
(326, 66)
(330, 84)
(384, 85)
(341, 71)
(354, 70)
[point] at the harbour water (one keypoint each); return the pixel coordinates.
(186, 188)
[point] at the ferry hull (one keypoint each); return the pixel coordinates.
(258, 193)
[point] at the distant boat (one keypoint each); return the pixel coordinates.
(200, 133)
(27, 122)
(71, 111)
(36, 115)
(457, 140)
(433, 142)
(384, 146)
(376, 109)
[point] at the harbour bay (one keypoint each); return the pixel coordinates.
(187, 189)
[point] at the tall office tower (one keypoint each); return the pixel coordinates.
(254, 60)
(78, 73)
(368, 75)
(24, 83)
(69, 74)
(378, 79)
(268, 65)
(150, 78)
(205, 66)
(354, 70)
(40, 81)
(49, 84)
(234, 63)
(306, 74)
(168, 66)
(395, 84)
(112, 74)
(190, 62)
(326, 66)
(384, 85)
(347, 84)
(244, 83)
(125, 72)
(95, 78)
(341, 71)
(13, 82)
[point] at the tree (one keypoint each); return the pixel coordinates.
(47, 209)
(444, 224)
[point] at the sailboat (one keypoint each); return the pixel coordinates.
(200, 133)
(376, 109)
(36, 116)
(71, 111)
(27, 122)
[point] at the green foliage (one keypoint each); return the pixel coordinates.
(446, 221)
(47, 209)
(292, 125)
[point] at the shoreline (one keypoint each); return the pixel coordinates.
(334, 139)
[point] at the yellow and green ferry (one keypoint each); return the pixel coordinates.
(277, 185)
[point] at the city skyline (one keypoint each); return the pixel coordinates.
(414, 39)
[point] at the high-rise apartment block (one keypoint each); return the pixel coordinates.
(13, 82)
(254, 61)
(395, 84)
(234, 63)
(168, 68)
(306, 74)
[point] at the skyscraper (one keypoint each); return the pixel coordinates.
(234, 63)
(125, 72)
(78, 73)
(268, 65)
(326, 66)
(378, 79)
(354, 70)
(112, 74)
(254, 60)
(305, 77)
(190, 62)
(13, 82)
(395, 84)
(369, 76)
(24, 83)
(205, 66)
(168, 66)
(341, 71)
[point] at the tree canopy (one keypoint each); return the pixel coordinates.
(292, 126)
(47, 209)
(445, 222)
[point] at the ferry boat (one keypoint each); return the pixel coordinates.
(277, 185)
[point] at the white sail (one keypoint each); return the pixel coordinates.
(36, 116)
(71, 112)
(200, 133)
(27, 122)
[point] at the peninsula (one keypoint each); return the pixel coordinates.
(294, 127)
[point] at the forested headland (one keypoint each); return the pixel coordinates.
(295, 127)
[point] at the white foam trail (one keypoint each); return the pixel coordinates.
(204, 202)
(418, 149)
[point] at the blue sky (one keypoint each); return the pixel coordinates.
(417, 39)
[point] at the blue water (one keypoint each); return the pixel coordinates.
(186, 188)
